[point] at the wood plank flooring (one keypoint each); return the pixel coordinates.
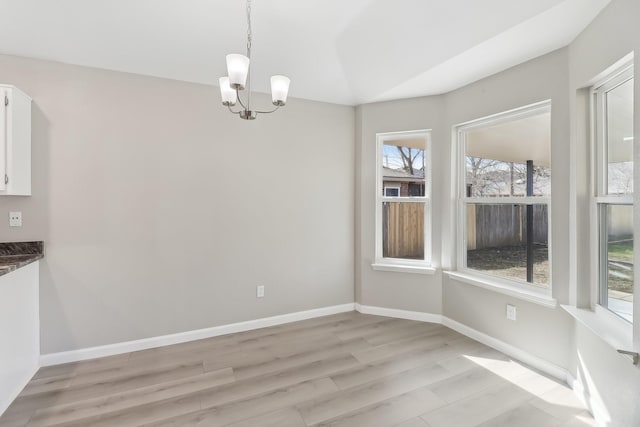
(348, 369)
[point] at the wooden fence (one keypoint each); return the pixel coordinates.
(490, 226)
(403, 230)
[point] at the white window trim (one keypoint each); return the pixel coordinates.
(398, 264)
(496, 284)
(600, 155)
(513, 287)
(611, 328)
(620, 73)
(392, 188)
(403, 268)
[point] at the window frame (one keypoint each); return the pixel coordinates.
(542, 294)
(401, 264)
(600, 199)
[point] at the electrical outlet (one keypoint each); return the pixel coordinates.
(511, 312)
(15, 219)
(260, 291)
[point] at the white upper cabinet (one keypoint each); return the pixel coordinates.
(15, 142)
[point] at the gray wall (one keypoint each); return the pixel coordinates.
(407, 291)
(543, 78)
(612, 384)
(161, 212)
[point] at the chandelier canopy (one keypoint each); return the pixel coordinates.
(239, 77)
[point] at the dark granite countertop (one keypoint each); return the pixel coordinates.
(14, 255)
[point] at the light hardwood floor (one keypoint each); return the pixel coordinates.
(348, 369)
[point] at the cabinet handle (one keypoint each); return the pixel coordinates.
(6, 179)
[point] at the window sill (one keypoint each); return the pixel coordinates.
(403, 268)
(530, 295)
(609, 327)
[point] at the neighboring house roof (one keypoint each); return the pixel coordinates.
(401, 175)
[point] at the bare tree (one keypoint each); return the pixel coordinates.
(620, 178)
(490, 177)
(512, 172)
(408, 156)
(481, 174)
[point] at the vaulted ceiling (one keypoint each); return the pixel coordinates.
(340, 51)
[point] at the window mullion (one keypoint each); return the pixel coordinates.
(614, 200)
(393, 199)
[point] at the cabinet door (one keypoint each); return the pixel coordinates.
(15, 142)
(3, 139)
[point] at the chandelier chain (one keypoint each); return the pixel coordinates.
(249, 30)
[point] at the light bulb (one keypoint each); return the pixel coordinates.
(238, 69)
(229, 96)
(279, 90)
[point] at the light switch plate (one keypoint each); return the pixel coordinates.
(260, 291)
(15, 219)
(511, 312)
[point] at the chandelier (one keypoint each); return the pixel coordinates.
(239, 77)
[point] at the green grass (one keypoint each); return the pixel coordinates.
(511, 262)
(620, 277)
(621, 251)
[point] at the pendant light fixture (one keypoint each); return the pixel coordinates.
(239, 78)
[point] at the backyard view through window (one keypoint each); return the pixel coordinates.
(505, 194)
(614, 191)
(402, 197)
(617, 249)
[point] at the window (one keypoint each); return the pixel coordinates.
(392, 191)
(416, 190)
(613, 201)
(402, 200)
(504, 188)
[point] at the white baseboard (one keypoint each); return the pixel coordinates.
(164, 340)
(160, 341)
(400, 314)
(515, 352)
(534, 361)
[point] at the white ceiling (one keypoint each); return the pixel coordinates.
(341, 51)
